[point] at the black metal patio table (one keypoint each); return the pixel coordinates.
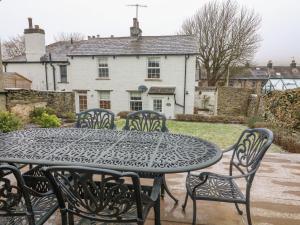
(153, 152)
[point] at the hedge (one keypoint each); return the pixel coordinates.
(210, 119)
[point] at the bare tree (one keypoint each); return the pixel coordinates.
(228, 36)
(69, 36)
(14, 46)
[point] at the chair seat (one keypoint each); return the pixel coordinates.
(42, 208)
(216, 188)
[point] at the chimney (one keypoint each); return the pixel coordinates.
(135, 30)
(34, 42)
(293, 64)
(270, 64)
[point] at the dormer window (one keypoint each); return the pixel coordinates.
(103, 68)
(154, 68)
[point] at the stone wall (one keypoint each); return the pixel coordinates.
(2, 101)
(233, 101)
(22, 102)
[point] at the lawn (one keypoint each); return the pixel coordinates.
(223, 135)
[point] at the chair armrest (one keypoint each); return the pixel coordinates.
(155, 193)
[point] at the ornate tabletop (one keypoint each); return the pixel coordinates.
(137, 151)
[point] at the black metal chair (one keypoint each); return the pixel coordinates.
(146, 120)
(247, 154)
(96, 119)
(89, 195)
(149, 121)
(20, 204)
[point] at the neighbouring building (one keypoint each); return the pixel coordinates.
(118, 73)
(261, 78)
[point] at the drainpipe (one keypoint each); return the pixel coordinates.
(184, 88)
(53, 69)
(46, 76)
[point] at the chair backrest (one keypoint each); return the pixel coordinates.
(146, 120)
(15, 204)
(96, 119)
(97, 194)
(250, 149)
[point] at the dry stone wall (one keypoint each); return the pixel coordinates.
(22, 102)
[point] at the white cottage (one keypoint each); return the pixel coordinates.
(117, 73)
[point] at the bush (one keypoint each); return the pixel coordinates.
(69, 117)
(123, 114)
(253, 120)
(210, 119)
(37, 112)
(48, 121)
(9, 122)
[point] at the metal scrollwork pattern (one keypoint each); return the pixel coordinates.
(158, 152)
(96, 119)
(250, 148)
(146, 120)
(10, 196)
(105, 199)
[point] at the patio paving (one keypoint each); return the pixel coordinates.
(275, 197)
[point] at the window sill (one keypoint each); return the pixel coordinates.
(102, 78)
(153, 79)
(62, 82)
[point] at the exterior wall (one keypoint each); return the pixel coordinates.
(127, 74)
(233, 101)
(36, 73)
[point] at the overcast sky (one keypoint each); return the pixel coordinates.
(280, 20)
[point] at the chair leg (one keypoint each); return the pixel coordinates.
(157, 212)
(248, 213)
(238, 209)
(64, 218)
(168, 191)
(194, 212)
(185, 201)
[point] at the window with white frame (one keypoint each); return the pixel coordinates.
(153, 67)
(136, 103)
(103, 68)
(157, 105)
(82, 98)
(104, 99)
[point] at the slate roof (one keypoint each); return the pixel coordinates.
(145, 45)
(161, 90)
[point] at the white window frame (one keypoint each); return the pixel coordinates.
(104, 97)
(103, 66)
(155, 69)
(132, 101)
(161, 105)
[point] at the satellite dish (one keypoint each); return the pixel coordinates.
(142, 88)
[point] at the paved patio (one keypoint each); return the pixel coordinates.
(275, 197)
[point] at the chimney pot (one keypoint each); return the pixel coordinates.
(293, 64)
(270, 64)
(98, 35)
(36, 26)
(30, 22)
(111, 36)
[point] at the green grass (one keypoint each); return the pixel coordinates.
(224, 135)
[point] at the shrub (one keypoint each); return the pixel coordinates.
(210, 119)
(253, 120)
(69, 117)
(48, 121)
(9, 122)
(37, 112)
(123, 114)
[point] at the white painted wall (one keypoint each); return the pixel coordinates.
(34, 46)
(126, 73)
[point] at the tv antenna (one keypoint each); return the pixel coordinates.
(137, 9)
